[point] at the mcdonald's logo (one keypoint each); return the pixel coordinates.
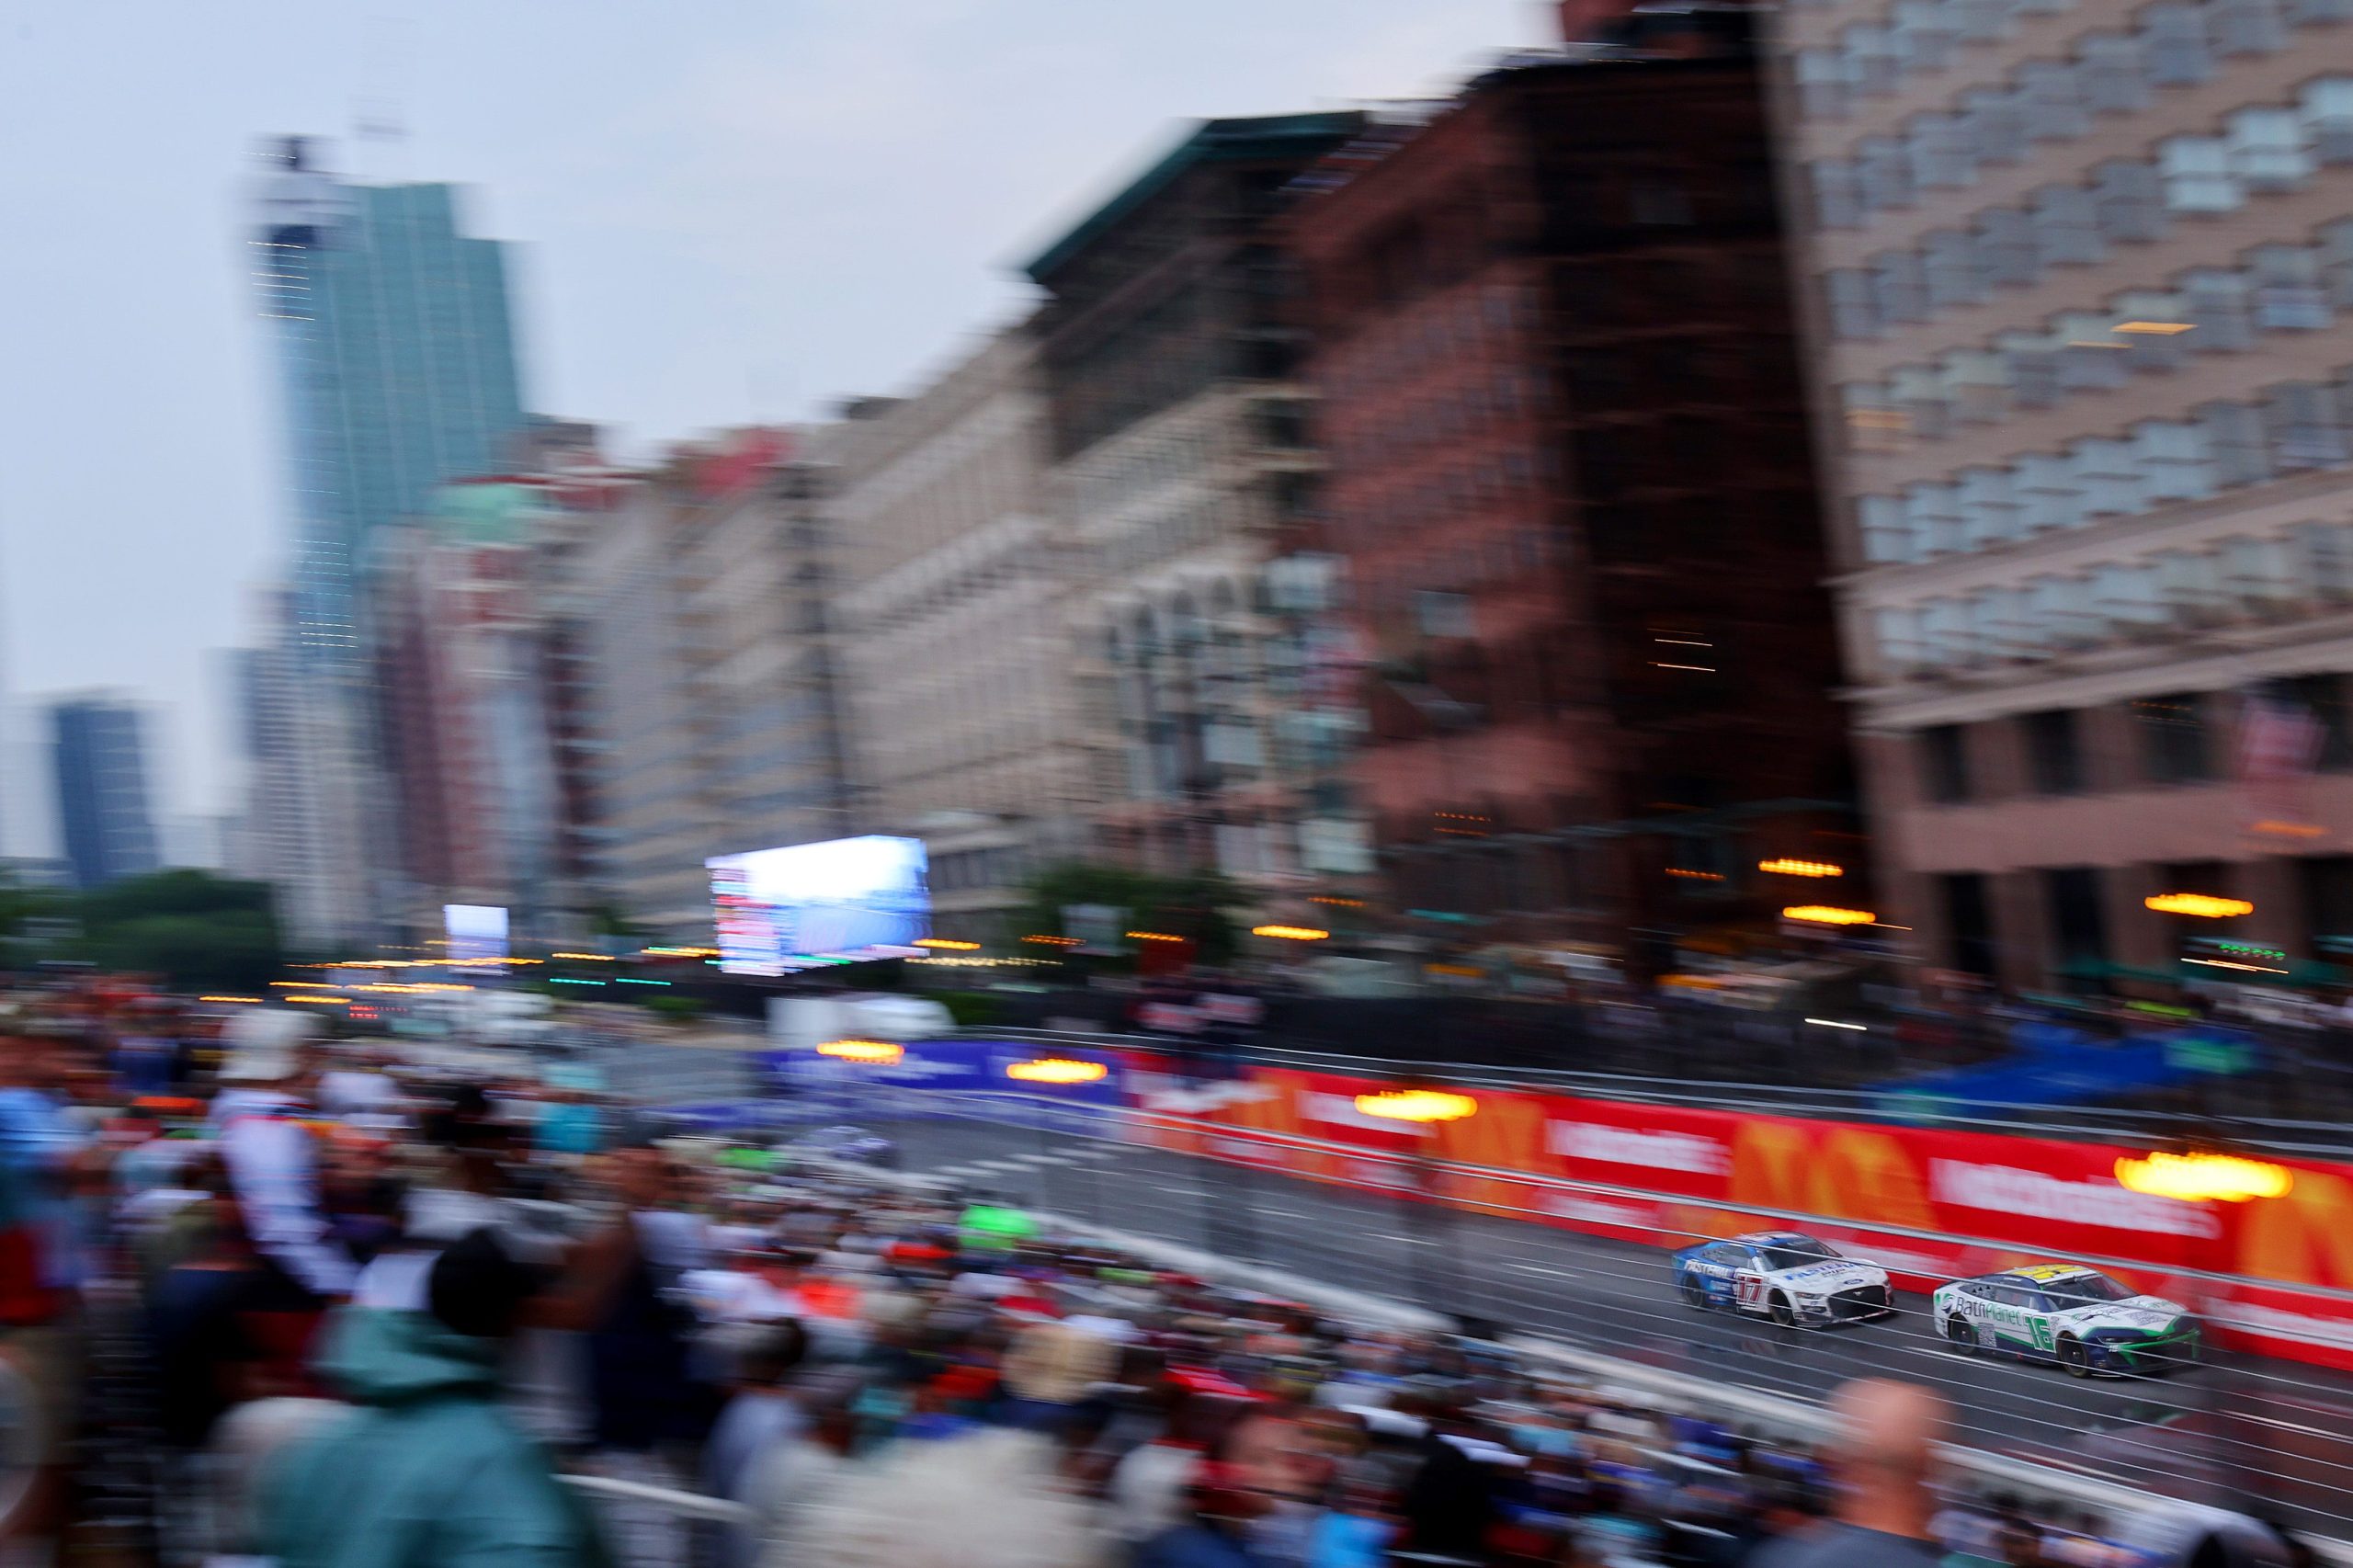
(2305, 1237)
(1840, 1172)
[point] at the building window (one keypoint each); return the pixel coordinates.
(1968, 923)
(2323, 697)
(1944, 764)
(2078, 925)
(2174, 748)
(2326, 884)
(2054, 759)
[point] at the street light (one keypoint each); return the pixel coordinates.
(2202, 905)
(2203, 1178)
(1828, 914)
(875, 1052)
(1786, 868)
(1056, 1070)
(1290, 933)
(1421, 1106)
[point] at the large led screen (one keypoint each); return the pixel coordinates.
(779, 910)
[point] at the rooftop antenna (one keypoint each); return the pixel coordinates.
(379, 126)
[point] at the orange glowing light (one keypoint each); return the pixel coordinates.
(1417, 1104)
(2204, 906)
(1828, 914)
(1786, 868)
(876, 1052)
(2198, 1178)
(1056, 1070)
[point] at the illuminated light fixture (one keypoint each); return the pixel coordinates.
(244, 999)
(1835, 1024)
(2203, 905)
(1153, 936)
(633, 979)
(1786, 868)
(1828, 914)
(320, 1001)
(305, 985)
(949, 943)
(880, 1052)
(1044, 942)
(2153, 328)
(1336, 902)
(2289, 829)
(1056, 1070)
(567, 980)
(2199, 1178)
(1290, 933)
(2226, 963)
(1695, 876)
(1417, 1104)
(2250, 950)
(1703, 669)
(587, 957)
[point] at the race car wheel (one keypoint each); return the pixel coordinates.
(1963, 1337)
(1784, 1315)
(1695, 1295)
(2074, 1357)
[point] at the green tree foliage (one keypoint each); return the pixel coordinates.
(196, 929)
(1192, 906)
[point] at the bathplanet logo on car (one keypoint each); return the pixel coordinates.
(1627, 1146)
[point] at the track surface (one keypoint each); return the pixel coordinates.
(2275, 1436)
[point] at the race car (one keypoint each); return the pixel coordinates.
(2065, 1312)
(1791, 1278)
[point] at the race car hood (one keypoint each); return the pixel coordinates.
(1832, 1274)
(2150, 1314)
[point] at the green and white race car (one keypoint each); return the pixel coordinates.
(2065, 1312)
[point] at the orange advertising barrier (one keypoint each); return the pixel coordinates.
(1930, 1205)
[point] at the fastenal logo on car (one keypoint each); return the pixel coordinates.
(1629, 1146)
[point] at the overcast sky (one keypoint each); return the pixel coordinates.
(726, 210)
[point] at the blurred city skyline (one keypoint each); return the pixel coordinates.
(737, 217)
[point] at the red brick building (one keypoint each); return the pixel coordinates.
(1558, 392)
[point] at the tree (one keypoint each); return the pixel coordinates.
(193, 929)
(1192, 906)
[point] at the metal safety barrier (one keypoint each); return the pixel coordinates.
(1377, 1232)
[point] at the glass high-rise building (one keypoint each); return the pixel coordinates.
(396, 349)
(397, 353)
(103, 807)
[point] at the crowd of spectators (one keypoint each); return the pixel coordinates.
(360, 1313)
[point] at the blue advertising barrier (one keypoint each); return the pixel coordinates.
(2054, 1065)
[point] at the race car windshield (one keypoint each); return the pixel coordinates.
(1795, 1254)
(2085, 1287)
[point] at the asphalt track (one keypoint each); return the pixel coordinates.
(2274, 1436)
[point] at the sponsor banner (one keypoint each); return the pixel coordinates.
(1979, 1201)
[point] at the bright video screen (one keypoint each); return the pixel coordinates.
(779, 910)
(475, 930)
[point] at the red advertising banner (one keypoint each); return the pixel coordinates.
(1930, 1205)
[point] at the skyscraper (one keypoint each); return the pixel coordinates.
(108, 821)
(396, 354)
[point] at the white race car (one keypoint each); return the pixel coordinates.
(1791, 1278)
(2065, 1312)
